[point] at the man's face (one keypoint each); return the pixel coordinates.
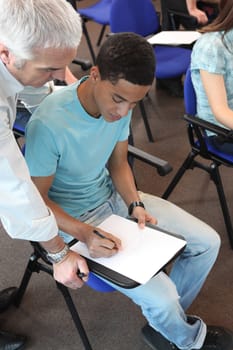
(47, 65)
(114, 101)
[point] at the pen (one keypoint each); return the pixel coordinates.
(81, 274)
(99, 234)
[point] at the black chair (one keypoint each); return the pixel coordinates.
(38, 261)
(200, 146)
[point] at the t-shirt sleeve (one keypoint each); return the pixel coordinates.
(208, 55)
(125, 128)
(41, 152)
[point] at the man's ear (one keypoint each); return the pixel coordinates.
(94, 73)
(5, 54)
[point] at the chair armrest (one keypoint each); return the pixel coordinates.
(180, 14)
(162, 166)
(183, 15)
(228, 134)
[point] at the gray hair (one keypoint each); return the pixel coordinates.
(26, 25)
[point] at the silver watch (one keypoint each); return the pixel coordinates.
(55, 258)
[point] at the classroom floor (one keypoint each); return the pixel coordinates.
(111, 320)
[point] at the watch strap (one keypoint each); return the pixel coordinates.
(59, 256)
(133, 205)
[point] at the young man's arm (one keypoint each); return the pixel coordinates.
(97, 246)
(123, 180)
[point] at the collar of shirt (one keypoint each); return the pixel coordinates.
(11, 86)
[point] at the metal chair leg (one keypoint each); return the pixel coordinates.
(31, 267)
(85, 32)
(215, 176)
(146, 122)
(35, 266)
(74, 313)
(185, 166)
(101, 35)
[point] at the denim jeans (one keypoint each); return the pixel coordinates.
(164, 299)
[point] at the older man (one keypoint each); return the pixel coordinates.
(38, 39)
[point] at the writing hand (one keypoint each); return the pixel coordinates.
(103, 244)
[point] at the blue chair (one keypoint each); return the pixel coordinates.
(202, 147)
(38, 262)
(98, 13)
(140, 16)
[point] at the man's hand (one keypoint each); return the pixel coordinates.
(143, 217)
(65, 271)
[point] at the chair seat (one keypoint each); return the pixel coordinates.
(99, 12)
(216, 152)
(22, 117)
(97, 284)
(171, 62)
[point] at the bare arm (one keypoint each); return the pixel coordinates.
(194, 11)
(82, 231)
(121, 173)
(123, 180)
(216, 93)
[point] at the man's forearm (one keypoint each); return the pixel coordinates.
(54, 245)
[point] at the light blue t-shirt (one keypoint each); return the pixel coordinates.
(213, 54)
(63, 139)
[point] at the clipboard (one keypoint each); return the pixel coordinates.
(116, 275)
(174, 37)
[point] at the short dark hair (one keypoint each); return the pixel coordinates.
(126, 56)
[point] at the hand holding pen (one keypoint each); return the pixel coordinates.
(103, 244)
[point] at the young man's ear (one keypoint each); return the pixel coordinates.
(94, 73)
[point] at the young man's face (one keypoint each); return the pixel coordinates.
(114, 101)
(48, 64)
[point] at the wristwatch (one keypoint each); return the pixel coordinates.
(133, 205)
(55, 258)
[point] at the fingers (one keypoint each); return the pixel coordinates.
(66, 271)
(103, 244)
(103, 250)
(143, 217)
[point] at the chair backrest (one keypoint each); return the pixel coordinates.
(137, 16)
(98, 12)
(190, 100)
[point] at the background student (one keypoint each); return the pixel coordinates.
(212, 73)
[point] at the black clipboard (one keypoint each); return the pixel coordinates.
(117, 278)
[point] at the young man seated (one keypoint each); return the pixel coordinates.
(76, 149)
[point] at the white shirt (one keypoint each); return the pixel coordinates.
(23, 212)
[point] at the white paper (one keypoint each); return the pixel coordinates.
(174, 37)
(144, 251)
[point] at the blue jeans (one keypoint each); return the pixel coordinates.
(164, 299)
